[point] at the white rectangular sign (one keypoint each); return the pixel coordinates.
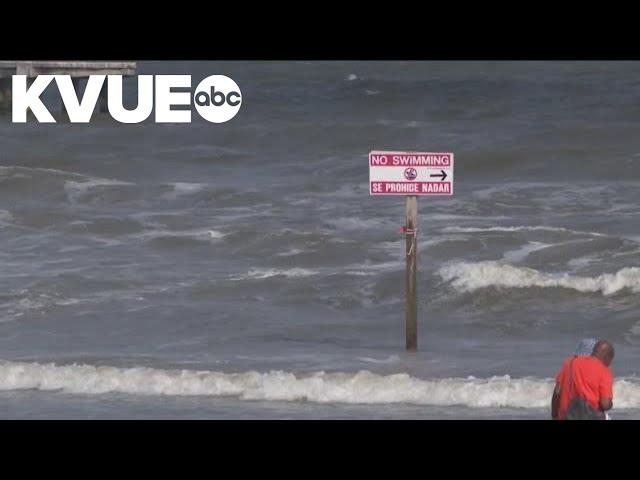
(410, 173)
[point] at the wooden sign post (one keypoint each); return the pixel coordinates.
(411, 316)
(411, 174)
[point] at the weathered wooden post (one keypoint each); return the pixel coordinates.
(411, 174)
(411, 308)
(103, 98)
(5, 94)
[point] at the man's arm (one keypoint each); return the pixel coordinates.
(606, 391)
(555, 401)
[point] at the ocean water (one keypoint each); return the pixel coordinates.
(242, 270)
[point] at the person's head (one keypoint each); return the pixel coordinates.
(585, 347)
(604, 352)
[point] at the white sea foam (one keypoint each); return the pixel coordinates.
(34, 304)
(5, 218)
(363, 387)
(355, 269)
(184, 188)
(452, 217)
(472, 276)
(36, 169)
(582, 262)
(389, 359)
(520, 228)
(75, 190)
(198, 234)
(292, 252)
(352, 77)
(262, 273)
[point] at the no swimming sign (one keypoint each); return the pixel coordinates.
(410, 173)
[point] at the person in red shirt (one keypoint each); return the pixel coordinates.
(584, 385)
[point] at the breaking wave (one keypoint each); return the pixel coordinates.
(473, 276)
(363, 387)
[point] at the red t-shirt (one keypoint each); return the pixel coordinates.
(591, 380)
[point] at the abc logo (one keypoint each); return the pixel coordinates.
(217, 98)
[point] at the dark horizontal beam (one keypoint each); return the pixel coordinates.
(74, 69)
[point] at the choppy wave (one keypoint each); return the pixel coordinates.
(523, 252)
(11, 168)
(358, 270)
(363, 387)
(389, 359)
(354, 223)
(364, 269)
(261, 273)
(292, 252)
(520, 228)
(473, 276)
(75, 190)
(183, 188)
(5, 217)
(196, 234)
(25, 303)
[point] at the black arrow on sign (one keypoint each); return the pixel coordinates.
(443, 175)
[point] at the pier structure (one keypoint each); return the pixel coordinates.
(78, 70)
